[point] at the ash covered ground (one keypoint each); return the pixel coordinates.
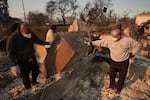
(96, 87)
(92, 87)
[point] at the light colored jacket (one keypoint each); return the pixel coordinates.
(49, 37)
(119, 50)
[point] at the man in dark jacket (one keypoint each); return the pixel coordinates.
(21, 52)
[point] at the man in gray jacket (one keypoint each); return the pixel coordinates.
(121, 49)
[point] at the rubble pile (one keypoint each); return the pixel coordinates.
(88, 88)
(96, 86)
(80, 79)
(145, 51)
(14, 90)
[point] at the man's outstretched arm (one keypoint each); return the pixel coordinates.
(39, 41)
(101, 43)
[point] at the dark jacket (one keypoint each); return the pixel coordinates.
(21, 48)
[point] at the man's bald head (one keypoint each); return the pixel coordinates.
(116, 33)
(24, 28)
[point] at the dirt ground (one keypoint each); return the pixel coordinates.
(92, 87)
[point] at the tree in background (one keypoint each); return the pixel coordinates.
(4, 14)
(126, 13)
(62, 8)
(4, 8)
(95, 11)
(37, 18)
(111, 16)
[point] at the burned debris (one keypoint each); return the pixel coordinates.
(77, 71)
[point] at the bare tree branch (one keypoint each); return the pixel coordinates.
(62, 8)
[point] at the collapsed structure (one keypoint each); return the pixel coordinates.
(82, 76)
(142, 18)
(143, 23)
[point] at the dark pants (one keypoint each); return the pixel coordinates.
(121, 68)
(26, 67)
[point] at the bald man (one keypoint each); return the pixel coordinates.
(21, 52)
(121, 49)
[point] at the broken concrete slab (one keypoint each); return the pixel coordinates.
(136, 94)
(64, 55)
(66, 84)
(78, 26)
(144, 53)
(69, 49)
(140, 66)
(145, 88)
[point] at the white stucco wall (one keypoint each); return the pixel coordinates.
(141, 19)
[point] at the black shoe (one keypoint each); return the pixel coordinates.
(35, 83)
(112, 87)
(28, 87)
(118, 92)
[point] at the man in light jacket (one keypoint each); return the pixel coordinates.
(121, 49)
(51, 34)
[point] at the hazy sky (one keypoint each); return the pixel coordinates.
(136, 6)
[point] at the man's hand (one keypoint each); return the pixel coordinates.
(87, 42)
(131, 55)
(51, 43)
(15, 70)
